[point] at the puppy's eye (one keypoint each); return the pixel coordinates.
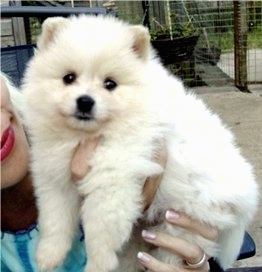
(109, 84)
(69, 78)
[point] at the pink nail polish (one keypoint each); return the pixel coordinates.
(148, 234)
(172, 215)
(143, 257)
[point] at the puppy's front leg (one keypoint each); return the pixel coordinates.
(108, 215)
(58, 217)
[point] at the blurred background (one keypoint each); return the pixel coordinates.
(206, 43)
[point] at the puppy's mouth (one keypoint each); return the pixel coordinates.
(83, 116)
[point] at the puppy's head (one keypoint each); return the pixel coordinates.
(87, 71)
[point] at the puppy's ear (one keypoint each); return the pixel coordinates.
(50, 27)
(141, 44)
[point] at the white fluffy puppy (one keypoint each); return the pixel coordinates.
(95, 76)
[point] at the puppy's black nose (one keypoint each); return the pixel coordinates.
(85, 104)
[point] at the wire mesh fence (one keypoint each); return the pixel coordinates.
(229, 47)
(214, 43)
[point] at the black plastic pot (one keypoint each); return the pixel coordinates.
(176, 50)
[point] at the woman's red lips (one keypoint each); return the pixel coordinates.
(7, 142)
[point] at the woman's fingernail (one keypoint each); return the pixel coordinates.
(143, 257)
(172, 215)
(148, 234)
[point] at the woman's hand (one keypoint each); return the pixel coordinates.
(152, 183)
(83, 152)
(191, 253)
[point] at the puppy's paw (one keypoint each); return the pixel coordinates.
(50, 254)
(104, 261)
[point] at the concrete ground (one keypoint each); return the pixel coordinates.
(242, 112)
(254, 61)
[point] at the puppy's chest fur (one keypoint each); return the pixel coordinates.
(125, 155)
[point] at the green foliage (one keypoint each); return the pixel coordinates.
(254, 38)
(35, 29)
(182, 29)
(225, 40)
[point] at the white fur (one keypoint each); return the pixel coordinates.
(206, 177)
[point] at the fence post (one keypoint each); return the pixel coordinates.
(240, 44)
